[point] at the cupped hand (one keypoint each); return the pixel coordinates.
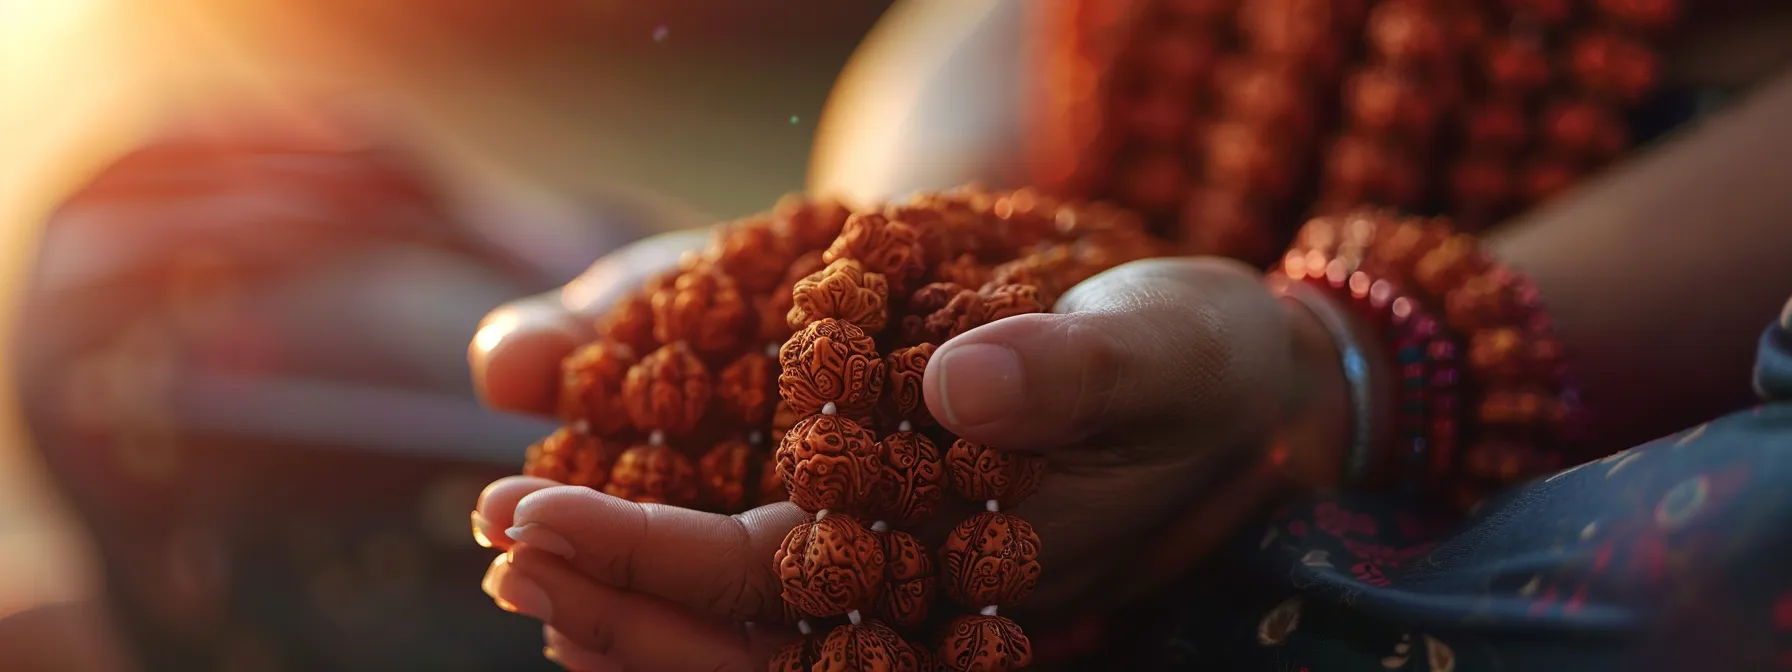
(1168, 396)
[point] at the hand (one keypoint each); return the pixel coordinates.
(1157, 391)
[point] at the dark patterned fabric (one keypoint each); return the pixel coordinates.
(1668, 556)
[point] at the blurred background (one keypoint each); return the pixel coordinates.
(246, 244)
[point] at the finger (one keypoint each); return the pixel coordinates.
(515, 355)
(1173, 339)
(636, 631)
(574, 656)
(715, 564)
(492, 513)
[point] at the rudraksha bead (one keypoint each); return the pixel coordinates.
(1407, 32)
(843, 291)
(1650, 15)
(630, 323)
(1609, 64)
(939, 311)
(703, 308)
(1278, 98)
(746, 389)
(655, 474)
(809, 224)
(1518, 408)
(830, 567)
(984, 644)
(1499, 354)
(783, 418)
(964, 270)
(1153, 182)
(1516, 67)
(864, 647)
(1247, 157)
(830, 361)
(979, 473)
(591, 380)
(771, 488)
(904, 371)
(752, 253)
(722, 475)
(797, 656)
(911, 488)
(908, 590)
(1496, 127)
(1003, 301)
(1176, 59)
(1547, 176)
(572, 458)
(890, 248)
(1545, 12)
(1482, 185)
(1159, 114)
(991, 558)
(667, 391)
(772, 311)
(1385, 100)
(830, 462)
(1583, 128)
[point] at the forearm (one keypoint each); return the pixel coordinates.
(1660, 274)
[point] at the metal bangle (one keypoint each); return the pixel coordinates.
(1356, 376)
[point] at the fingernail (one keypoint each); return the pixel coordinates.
(579, 660)
(482, 530)
(514, 592)
(534, 534)
(980, 383)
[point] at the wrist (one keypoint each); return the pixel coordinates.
(1338, 412)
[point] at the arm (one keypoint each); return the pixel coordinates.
(1661, 272)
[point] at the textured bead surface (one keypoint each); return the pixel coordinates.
(843, 290)
(910, 582)
(772, 311)
(667, 391)
(653, 474)
(747, 388)
(722, 475)
(991, 558)
(630, 323)
(810, 223)
(887, 247)
(830, 361)
(1004, 301)
(771, 488)
(572, 458)
(703, 308)
(978, 472)
(591, 381)
(830, 566)
(797, 656)
(829, 462)
(867, 647)
(984, 644)
(904, 371)
(911, 486)
(752, 253)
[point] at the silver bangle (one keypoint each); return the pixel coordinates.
(1361, 395)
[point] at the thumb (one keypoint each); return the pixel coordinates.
(1191, 343)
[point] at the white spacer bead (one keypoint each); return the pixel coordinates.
(755, 437)
(880, 526)
(657, 438)
(992, 506)
(581, 427)
(829, 408)
(820, 515)
(802, 626)
(853, 616)
(905, 426)
(988, 611)
(771, 349)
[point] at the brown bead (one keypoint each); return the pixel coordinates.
(630, 323)
(1277, 98)
(866, 647)
(1222, 222)
(830, 566)
(979, 473)
(572, 458)
(1297, 32)
(1518, 408)
(1650, 15)
(1407, 32)
(830, 462)
(1496, 127)
(772, 311)
(1384, 100)
(1446, 266)
(703, 308)
(1481, 184)
(1158, 115)
(1545, 12)
(771, 488)
(747, 389)
(783, 418)
(1498, 354)
(910, 489)
(1176, 59)
(884, 246)
(830, 361)
(1481, 300)
(752, 253)
(722, 475)
(667, 391)
(1609, 64)
(1584, 128)
(1008, 300)
(910, 581)
(940, 311)
(797, 656)
(904, 371)
(1516, 67)
(1249, 158)
(1153, 182)
(844, 291)
(991, 558)
(1545, 177)
(591, 380)
(984, 644)
(809, 224)
(964, 270)
(655, 474)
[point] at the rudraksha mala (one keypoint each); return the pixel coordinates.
(1227, 122)
(785, 362)
(1484, 398)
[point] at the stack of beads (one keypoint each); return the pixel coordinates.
(821, 323)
